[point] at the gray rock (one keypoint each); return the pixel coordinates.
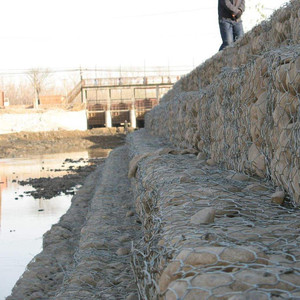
(204, 216)
(278, 197)
(125, 238)
(130, 214)
(123, 251)
(211, 162)
(132, 297)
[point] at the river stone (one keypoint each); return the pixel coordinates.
(278, 197)
(188, 151)
(247, 278)
(201, 156)
(89, 279)
(244, 255)
(238, 177)
(196, 294)
(163, 151)
(132, 297)
(212, 280)
(211, 162)
(168, 275)
(234, 189)
(257, 160)
(123, 251)
(204, 216)
(186, 179)
(130, 214)
(37, 296)
(177, 289)
(134, 164)
(125, 238)
(250, 296)
(256, 187)
(99, 245)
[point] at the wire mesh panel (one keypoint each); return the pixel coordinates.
(212, 233)
(247, 120)
(209, 233)
(242, 107)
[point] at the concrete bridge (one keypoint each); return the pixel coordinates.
(115, 101)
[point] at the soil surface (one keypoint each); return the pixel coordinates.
(87, 254)
(23, 144)
(98, 143)
(49, 187)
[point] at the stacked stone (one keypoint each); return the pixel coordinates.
(208, 233)
(243, 116)
(102, 262)
(45, 274)
(86, 255)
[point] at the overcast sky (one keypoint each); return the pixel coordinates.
(110, 33)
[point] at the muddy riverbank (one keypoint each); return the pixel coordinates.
(65, 265)
(86, 255)
(22, 144)
(97, 142)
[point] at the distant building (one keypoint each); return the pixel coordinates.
(1, 99)
(52, 100)
(6, 102)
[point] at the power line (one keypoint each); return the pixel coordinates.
(114, 70)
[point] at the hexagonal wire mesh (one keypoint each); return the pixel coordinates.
(241, 111)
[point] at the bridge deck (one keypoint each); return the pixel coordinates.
(119, 96)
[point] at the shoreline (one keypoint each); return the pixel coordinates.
(34, 143)
(90, 241)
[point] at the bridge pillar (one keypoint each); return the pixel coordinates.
(157, 93)
(84, 96)
(108, 120)
(132, 118)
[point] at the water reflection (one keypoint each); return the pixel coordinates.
(23, 219)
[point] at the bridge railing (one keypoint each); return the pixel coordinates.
(130, 81)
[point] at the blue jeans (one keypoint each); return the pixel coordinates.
(230, 31)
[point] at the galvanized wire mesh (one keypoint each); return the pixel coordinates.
(247, 120)
(240, 110)
(249, 250)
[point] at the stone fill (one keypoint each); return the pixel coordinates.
(207, 233)
(87, 254)
(247, 247)
(214, 225)
(241, 108)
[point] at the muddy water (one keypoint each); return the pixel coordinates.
(23, 219)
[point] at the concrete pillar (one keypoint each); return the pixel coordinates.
(84, 96)
(1, 98)
(157, 93)
(132, 118)
(108, 120)
(109, 99)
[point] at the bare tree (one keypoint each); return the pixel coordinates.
(38, 78)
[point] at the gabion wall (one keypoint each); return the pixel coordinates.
(209, 234)
(241, 107)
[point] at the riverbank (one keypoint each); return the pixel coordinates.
(190, 230)
(97, 142)
(86, 255)
(23, 144)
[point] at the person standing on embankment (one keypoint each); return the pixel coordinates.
(230, 22)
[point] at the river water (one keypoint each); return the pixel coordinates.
(23, 219)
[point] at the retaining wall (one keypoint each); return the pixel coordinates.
(241, 108)
(209, 233)
(43, 121)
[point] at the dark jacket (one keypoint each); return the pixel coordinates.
(231, 9)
